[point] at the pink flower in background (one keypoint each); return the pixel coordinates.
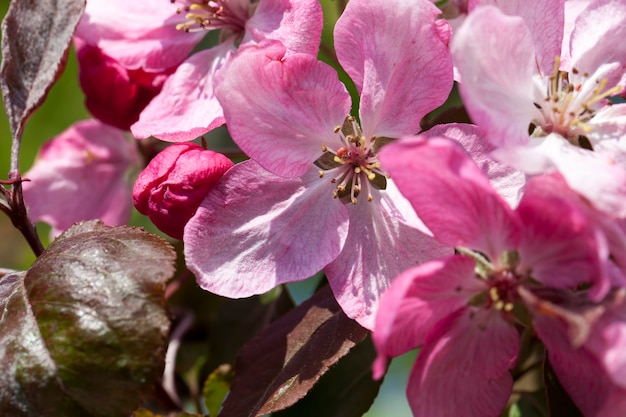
(172, 186)
(273, 219)
(155, 35)
(82, 175)
(510, 90)
(461, 308)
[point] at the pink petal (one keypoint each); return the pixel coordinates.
(579, 372)
(561, 245)
(81, 175)
(139, 33)
(187, 107)
(608, 124)
(598, 38)
(599, 176)
(399, 61)
(545, 20)
(573, 8)
(378, 248)
(495, 56)
(607, 342)
(463, 368)
(296, 24)
(506, 180)
(255, 231)
(451, 195)
(281, 109)
(418, 299)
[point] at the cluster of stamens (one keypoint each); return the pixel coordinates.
(355, 164)
(209, 15)
(568, 107)
(502, 292)
(502, 281)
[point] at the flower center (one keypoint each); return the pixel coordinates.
(502, 281)
(212, 15)
(567, 107)
(354, 166)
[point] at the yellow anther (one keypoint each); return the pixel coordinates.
(321, 174)
(508, 307)
(499, 305)
(493, 293)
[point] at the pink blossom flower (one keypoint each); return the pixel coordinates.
(81, 175)
(172, 186)
(514, 83)
(157, 34)
(464, 306)
(273, 219)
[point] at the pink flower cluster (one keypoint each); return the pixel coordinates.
(462, 239)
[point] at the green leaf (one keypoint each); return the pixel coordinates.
(283, 362)
(216, 387)
(36, 36)
(84, 331)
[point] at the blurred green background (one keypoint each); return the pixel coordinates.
(63, 107)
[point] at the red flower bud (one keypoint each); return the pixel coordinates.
(114, 94)
(172, 186)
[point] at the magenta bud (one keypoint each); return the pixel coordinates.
(114, 94)
(172, 186)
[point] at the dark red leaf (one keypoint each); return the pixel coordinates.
(283, 362)
(36, 36)
(84, 331)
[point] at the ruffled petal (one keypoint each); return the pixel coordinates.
(187, 107)
(398, 59)
(506, 180)
(597, 39)
(451, 195)
(296, 24)
(463, 368)
(580, 372)
(495, 56)
(417, 300)
(561, 245)
(545, 20)
(599, 176)
(279, 109)
(255, 231)
(378, 248)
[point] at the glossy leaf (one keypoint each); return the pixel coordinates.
(281, 364)
(36, 36)
(346, 390)
(84, 331)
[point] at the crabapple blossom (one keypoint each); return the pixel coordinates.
(82, 175)
(559, 119)
(466, 305)
(172, 186)
(314, 196)
(159, 34)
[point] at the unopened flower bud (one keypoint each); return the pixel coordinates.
(114, 94)
(172, 186)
